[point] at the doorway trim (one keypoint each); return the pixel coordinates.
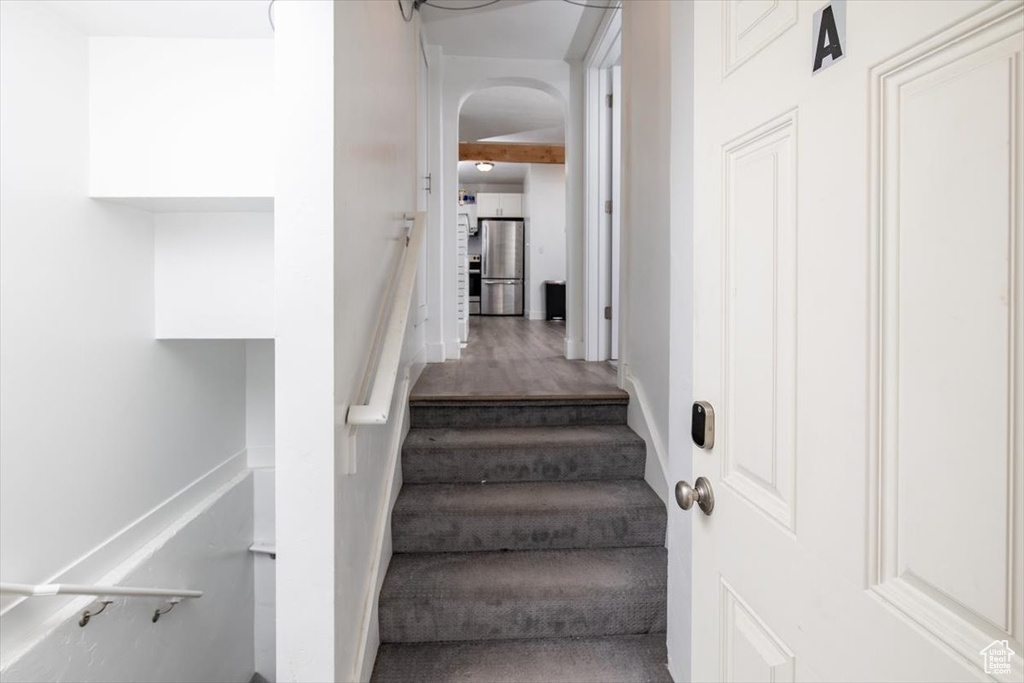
(605, 52)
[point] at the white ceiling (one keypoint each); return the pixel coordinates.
(168, 18)
(501, 173)
(528, 114)
(535, 29)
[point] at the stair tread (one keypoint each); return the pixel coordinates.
(478, 517)
(430, 597)
(526, 575)
(526, 498)
(608, 659)
(445, 438)
(473, 413)
(567, 453)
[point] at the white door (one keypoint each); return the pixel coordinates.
(858, 256)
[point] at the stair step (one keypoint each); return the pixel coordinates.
(611, 659)
(464, 414)
(433, 456)
(527, 516)
(516, 595)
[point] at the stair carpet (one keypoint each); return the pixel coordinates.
(528, 547)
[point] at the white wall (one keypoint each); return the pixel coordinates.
(575, 323)
(214, 275)
(375, 185)
(657, 295)
(181, 117)
(544, 206)
(646, 190)
(264, 576)
(107, 436)
(259, 402)
(346, 176)
(474, 188)
(304, 47)
(460, 77)
(259, 440)
(201, 640)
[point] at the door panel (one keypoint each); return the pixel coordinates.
(758, 455)
(948, 227)
(750, 651)
(858, 313)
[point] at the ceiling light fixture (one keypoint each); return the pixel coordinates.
(484, 166)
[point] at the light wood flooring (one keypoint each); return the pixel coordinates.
(515, 358)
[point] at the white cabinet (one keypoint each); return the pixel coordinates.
(488, 205)
(463, 277)
(494, 205)
(511, 205)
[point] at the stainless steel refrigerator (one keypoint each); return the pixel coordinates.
(501, 265)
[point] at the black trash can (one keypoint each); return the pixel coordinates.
(554, 295)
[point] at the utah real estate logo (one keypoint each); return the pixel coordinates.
(997, 657)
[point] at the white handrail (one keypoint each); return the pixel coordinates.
(379, 407)
(77, 589)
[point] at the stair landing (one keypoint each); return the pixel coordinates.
(516, 359)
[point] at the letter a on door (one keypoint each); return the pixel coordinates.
(829, 35)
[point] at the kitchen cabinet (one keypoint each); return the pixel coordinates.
(499, 205)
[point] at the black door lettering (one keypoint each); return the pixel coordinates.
(828, 40)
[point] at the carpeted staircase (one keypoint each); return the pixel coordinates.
(528, 547)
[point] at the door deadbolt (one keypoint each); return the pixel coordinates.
(702, 425)
(700, 493)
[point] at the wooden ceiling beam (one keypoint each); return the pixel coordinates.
(511, 153)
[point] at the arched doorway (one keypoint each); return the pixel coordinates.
(519, 116)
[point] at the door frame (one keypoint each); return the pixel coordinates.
(424, 175)
(604, 52)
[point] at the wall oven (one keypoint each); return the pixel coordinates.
(474, 284)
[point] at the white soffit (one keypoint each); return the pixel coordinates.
(528, 114)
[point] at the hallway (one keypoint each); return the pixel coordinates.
(516, 358)
(283, 397)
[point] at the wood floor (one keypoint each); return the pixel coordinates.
(515, 358)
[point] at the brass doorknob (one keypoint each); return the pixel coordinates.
(700, 493)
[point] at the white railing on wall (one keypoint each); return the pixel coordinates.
(76, 589)
(171, 595)
(377, 410)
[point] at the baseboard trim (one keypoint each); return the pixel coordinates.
(536, 315)
(574, 349)
(639, 419)
(453, 349)
(369, 636)
(435, 352)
